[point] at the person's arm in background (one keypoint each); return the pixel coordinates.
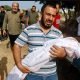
(37, 17)
(5, 22)
(21, 16)
(26, 18)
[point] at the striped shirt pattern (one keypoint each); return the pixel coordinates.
(34, 37)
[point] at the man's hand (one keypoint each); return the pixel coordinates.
(4, 32)
(57, 52)
(23, 68)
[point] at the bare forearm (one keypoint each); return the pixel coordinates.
(17, 59)
(17, 54)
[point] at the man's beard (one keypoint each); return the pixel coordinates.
(43, 24)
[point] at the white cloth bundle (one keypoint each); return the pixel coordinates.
(40, 56)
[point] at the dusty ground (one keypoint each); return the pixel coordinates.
(6, 59)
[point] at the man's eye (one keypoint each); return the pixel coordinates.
(53, 15)
(48, 14)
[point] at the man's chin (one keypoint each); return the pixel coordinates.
(48, 26)
(15, 11)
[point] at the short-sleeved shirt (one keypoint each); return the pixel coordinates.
(33, 16)
(34, 37)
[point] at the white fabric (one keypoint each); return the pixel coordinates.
(40, 56)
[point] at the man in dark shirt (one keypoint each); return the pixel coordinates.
(2, 14)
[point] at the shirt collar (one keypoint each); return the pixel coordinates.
(38, 25)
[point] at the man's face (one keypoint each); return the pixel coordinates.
(48, 16)
(33, 9)
(15, 7)
(2, 9)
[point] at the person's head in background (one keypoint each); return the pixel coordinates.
(69, 28)
(57, 7)
(2, 9)
(33, 9)
(15, 7)
(48, 13)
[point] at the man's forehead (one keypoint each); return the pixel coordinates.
(50, 9)
(15, 4)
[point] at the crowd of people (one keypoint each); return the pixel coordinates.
(39, 27)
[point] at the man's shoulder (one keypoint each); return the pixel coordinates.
(33, 26)
(8, 12)
(56, 30)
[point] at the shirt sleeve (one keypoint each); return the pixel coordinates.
(22, 38)
(5, 22)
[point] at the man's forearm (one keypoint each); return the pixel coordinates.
(17, 54)
(17, 58)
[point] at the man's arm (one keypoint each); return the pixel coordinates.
(17, 58)
(5, 22)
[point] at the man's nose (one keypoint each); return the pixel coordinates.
(51, 17)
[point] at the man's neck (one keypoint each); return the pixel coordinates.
(44, 29)
(14, 12)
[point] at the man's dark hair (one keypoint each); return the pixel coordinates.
(34, 6)
(48, 4)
